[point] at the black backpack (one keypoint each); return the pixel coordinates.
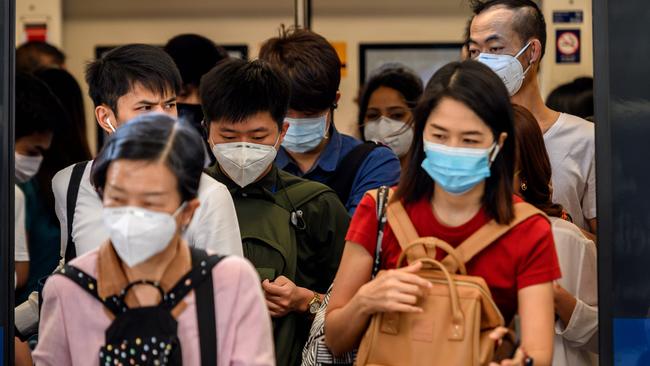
(148, 335)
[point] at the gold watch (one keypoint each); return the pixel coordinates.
(315, 303)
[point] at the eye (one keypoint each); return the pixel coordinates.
(372, 116)
(496, 49)
(398, 116)
(170, 105)
(469, 142)
(439, 137)
(473, 53)
(144, 108)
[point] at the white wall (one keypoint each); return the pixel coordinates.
(554, 74)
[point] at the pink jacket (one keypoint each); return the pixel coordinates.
(73, 323)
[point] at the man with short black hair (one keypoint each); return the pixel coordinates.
(194, 55)
(510, 37)
(126, 82)
(313, 148)
(293, 230)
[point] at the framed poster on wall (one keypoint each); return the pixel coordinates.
(423, 58)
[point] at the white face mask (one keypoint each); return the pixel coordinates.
(508, 68)
(138, 234)
(244, 162)
(26, 167)
(395, 134)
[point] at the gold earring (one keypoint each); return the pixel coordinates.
(524, 186)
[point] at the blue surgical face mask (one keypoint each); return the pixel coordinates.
(458, 170)
(305, 134)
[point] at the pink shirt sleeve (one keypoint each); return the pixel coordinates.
(248, 337)
(53, 341)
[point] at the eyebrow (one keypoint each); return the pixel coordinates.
(147, 194)
(230, 130)
(493, 37)
(149, 102)
(467, 133)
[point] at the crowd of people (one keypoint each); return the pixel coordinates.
(226, 219)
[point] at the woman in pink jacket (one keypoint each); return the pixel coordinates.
(141, 298)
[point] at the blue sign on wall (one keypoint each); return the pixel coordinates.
(573, 16)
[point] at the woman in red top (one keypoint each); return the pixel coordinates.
(458, 177)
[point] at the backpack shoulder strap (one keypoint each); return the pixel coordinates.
(343, 177)
(89, 284)
(403, 228)
(301, 193)
(199, 279)
(490, 233)
(71, 203)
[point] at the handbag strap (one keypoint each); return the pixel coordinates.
(405, 232)
(71, 204)
(489, 233)
(381, 195)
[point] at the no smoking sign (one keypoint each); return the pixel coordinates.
(567, 46)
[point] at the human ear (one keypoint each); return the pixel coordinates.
(283, 132)
(502, 139)
(188, 212)
(106, 118)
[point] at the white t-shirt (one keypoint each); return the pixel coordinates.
(571, 149)
(21, 254)
(214, 225)
(577, 256)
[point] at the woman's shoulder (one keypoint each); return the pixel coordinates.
(86, 263)
(565, 231)
(236, 269)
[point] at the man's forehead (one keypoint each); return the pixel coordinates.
(139, 91)
(494, 22)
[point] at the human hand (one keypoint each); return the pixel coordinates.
(519, 358)
(395, 290)
(283, 296)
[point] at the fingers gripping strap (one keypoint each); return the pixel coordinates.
(490, 233)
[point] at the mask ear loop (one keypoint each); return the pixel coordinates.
(494, 153)
(178, 211)
(521, 52)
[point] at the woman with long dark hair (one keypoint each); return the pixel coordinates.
(385, 108)
(576, 293)
(458, 177)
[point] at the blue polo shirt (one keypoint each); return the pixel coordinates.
(381, 167)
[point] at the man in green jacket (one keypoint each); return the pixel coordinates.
(293, 230)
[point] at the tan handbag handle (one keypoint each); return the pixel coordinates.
(490, 233)
(434, 243)
(457, 330)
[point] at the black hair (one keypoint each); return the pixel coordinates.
(155, 137)
(396, 77)
(576, 98)
(312, 64)
(65, 87)
(37, 109)
(194, 56)
(528, 21)
(32, 55)
(480, 89)
(236, 90)
(69, 142)
(115, 74)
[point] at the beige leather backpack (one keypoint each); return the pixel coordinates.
(459, 312)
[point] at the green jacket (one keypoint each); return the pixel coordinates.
(307, 251)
